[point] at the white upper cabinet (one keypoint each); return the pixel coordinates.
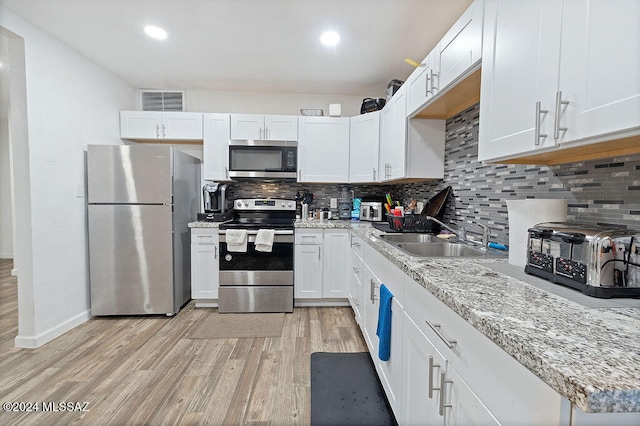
(393, 137)
(461, 47)
(364, 148)
(323, 149)
(216, 147)
(410, 149)
(558, 74)
(264, 127)
(599, 68)
(420, 84)
(154, 125)
(455, 58)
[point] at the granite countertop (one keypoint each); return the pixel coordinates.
(204, 224)
(323, 224)
(589, 355)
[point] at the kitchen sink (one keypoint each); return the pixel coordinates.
(410, 238)
(444, 250)
(428, 245)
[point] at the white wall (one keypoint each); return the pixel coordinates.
(6, 233)
(268, 103)
(71, 102)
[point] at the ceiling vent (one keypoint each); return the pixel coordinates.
(160, 100)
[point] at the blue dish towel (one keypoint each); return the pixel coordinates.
(384, 323)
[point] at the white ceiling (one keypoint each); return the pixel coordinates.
(249, 45)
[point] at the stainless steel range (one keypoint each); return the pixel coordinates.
(257, 279)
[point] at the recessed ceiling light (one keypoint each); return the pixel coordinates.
(330, 38)
(155, 32)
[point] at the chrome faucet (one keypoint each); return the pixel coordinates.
(486, 233)
(461, 232)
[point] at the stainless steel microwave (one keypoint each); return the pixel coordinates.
(263, 159)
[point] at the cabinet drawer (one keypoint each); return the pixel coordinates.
(357, 245)
(308, 236)
(207, 236)
(357, 266)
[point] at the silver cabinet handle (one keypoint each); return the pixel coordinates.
(374, 174)
(538, 135)
(443, 393)
(318, 253)
(356, 270)
(433, 87)
(428, 91)
(215, 252)
(431, 367)
(436, 328)
(226, 172)
(372, 295)
(157, 131)
(299, 174)
(164, 133)
(556, 128)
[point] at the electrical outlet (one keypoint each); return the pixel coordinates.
(334, 203)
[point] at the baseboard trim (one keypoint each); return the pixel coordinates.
(206, 303)
(321, 302)
(6, 255)
(47, 336)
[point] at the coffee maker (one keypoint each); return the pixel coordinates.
(216, 205)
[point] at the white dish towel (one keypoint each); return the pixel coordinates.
(264, 240)
(236, 240)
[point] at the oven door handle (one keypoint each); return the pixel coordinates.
(279, 237)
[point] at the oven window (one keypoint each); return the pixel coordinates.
(255, 159)
(279, 259)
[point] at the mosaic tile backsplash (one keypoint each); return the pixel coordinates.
(599, 191)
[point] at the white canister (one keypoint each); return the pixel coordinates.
(305, 211)
(523, 214)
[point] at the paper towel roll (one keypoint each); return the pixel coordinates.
(523, 214)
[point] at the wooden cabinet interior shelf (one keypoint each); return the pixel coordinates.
(461, 96)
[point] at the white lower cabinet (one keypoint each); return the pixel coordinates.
(421, 367)
(378, 271)
(204, 264)
(357, 277)
(433, 393)
(321, 264)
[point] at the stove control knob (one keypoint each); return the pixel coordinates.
(246, 204)
(239, 204)
(282, 204)
(290, 204)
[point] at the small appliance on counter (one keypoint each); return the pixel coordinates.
(372, 210)
(216, 204)
(344, 206)
(598, 261)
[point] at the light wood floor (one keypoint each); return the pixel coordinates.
(142, 370)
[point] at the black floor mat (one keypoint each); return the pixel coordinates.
(345, 390)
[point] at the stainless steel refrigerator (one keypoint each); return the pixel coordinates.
(140, 199)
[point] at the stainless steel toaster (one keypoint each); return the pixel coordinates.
(371, 211)
(599, 261)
